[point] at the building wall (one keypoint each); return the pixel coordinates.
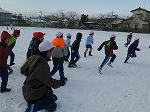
(136, 23)
(5, 16)
(139, 14)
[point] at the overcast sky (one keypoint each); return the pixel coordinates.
(80, 6)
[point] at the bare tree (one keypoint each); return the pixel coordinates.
(72, 17)
(104, 19)
(60, 17)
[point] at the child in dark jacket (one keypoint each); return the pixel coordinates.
(5, 38)
(38, 37)
(75, 51)
(110, 45)
(131, 50)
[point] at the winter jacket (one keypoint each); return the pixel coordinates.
(33, 47)
(133, 47)
(3, 55)
(110, 45)
(129, 37)
(12, 42)
(4, 50)
(76, 43)
(89, 40)
(60, 51)
(39, 83)
(68, 41)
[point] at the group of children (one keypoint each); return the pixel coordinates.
(37, 88)
(111, 45)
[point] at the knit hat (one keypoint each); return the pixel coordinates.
(38, 34)
(59, 34)
(16, 31)
(112, 36)
(91, 32)
(68, 35)
(45, 46)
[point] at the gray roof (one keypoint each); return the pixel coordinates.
(4, 11)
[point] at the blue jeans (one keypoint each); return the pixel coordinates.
(4, 77)
(12, 57)
(128, 41)
(57, 67)
(107, 57)
(47, 104)
(74, 57)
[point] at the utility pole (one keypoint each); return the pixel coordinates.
(145, 4)
(41, 17)
(41, 12)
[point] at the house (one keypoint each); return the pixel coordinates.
(139, 22)
(5, 17)
(53, 24)
(38, 22)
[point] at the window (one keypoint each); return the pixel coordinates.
(139, 16)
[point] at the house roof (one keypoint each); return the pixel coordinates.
(4, 11)
(139, 9)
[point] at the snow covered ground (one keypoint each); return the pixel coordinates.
(123, 88)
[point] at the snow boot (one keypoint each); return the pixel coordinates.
(70, 64)
(74, 63)
(125, 62)
(109, 64)
(10, 70)
(90, 54)
(11, 64)
(5, 90)
(100, 70)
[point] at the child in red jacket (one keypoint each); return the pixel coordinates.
(5, 38)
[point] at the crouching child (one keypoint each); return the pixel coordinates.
(37, 89)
